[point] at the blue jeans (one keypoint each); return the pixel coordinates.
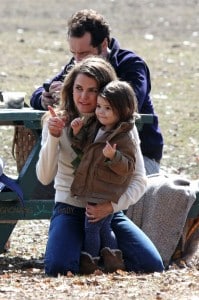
(101, 235)
(65, 240)
(66, 236)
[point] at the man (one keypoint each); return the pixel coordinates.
(89, 34)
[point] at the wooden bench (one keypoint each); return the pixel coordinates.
(10, 207)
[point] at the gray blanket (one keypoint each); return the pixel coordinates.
(162, 211)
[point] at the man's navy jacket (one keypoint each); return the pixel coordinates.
(131, 68)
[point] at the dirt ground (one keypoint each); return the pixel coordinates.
(32, 47)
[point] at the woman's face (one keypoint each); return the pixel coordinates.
(85, 92)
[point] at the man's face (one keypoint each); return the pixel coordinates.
(81, 47)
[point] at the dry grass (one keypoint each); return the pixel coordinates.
(34, 48)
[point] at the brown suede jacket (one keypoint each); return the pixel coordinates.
(99, 179)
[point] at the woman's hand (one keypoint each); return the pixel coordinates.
(55, 123)
(99, 211)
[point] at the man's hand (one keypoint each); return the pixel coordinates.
(46, 100)
(53, 96)
(55, 90)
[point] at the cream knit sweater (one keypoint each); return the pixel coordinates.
(54, 163)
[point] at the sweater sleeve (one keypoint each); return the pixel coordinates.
(138, 182)
(46, 167)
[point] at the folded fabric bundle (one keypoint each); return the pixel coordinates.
(162, 211)
(7, 182)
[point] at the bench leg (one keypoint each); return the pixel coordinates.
(5, 232)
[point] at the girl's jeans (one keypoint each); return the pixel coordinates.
(99, 235)
(66, 236)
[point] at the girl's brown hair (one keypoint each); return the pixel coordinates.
(121, 98)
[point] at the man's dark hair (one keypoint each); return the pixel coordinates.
(88, 20)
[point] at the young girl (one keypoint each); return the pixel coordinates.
(108, 160)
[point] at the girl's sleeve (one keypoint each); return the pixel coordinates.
(46, 167)
(138, 182)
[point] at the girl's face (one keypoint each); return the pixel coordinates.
(105, 114)
(85, 91)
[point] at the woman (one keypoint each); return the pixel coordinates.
(56, 159)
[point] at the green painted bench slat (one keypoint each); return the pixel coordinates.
(34, 209)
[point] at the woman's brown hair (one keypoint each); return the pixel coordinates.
(94, 67)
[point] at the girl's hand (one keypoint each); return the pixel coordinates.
(109, 151)
(99, 211)
(76, 125)
(55, 123)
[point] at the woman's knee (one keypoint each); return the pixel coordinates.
(158, 265)
(53, 268)
(64, 245)
(57, 266)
